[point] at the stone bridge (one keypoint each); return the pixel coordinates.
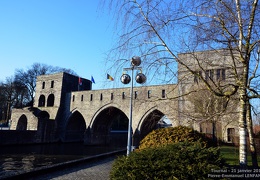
(67, 111)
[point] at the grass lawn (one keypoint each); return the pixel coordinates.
(231, 155)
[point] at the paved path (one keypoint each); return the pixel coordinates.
(93, 171)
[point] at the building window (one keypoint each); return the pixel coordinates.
(50, 100)
(41, 102)
(82, 97)
(73, 98)
(91, 97)
(149, 94)
(101, 97)
(218, 74)
(52, 84)
(136, 92)
(209, 74)
(123, 95)
(221, 74)
(230, 134)
(163, 93)
(112, 96)
(43, 85)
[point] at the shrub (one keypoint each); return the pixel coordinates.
(164, 136)
(184, 160)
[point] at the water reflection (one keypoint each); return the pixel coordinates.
(27, 157)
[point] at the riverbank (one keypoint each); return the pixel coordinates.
(94, 167)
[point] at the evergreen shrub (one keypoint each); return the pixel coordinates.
(184, 160)
(170, 135)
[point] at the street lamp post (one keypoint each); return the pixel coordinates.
(125, 79)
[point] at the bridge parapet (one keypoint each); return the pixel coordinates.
(162, 97)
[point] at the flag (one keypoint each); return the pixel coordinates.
(110, 77)
(92, 80)
(80, 81)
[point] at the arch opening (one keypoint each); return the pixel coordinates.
(50, 100)
(41, 102)
(110, 128)
(22, 123)
(43, 115)
(75, 129)
(154, 120)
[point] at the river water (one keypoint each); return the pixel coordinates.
(27, 157)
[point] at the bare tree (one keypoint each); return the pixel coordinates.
(252, 144)
(160, 30)
(12, 94)
(22, 97)
(8, 96)
(255, 112)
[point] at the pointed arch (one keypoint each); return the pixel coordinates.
(75, 128)
(50, 100)
(148, 123)
(41, 101)
(22, 123)
(109, 127)
(43, 115)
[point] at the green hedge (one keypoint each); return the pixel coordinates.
(164, 136)
(184, 160)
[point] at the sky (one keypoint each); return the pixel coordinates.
(72, 34)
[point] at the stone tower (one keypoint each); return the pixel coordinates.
(200, 108)
(52, 99)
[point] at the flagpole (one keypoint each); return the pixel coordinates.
(78, 82)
